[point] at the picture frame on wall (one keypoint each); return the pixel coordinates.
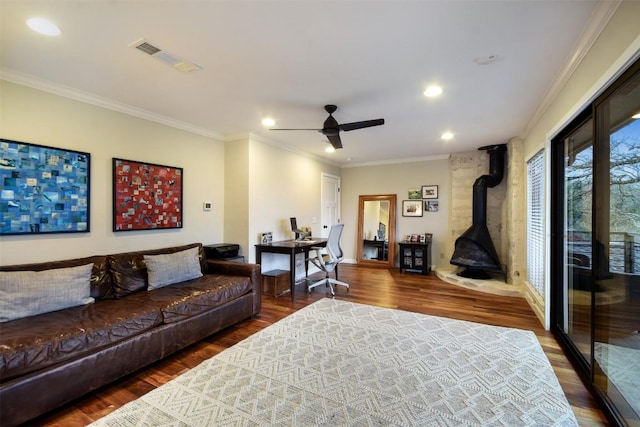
(412, 208)
(431, 206)
(429, 191)
(146, 196)
(414, 193)
(44, 189)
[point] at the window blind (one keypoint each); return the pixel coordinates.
(535, 222)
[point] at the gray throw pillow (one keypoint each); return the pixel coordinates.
(27, 293)
(167, 269)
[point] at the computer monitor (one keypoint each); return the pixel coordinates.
(294, 227)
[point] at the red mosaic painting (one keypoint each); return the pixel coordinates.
(146, 196)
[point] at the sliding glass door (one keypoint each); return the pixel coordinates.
(578, 237)
(596, 245)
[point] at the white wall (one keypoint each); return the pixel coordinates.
(236, 200)
(34, 116)
(398, 179)
(277, 184)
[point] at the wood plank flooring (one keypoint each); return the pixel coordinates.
(379, 287)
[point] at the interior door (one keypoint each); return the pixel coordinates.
(330, 190)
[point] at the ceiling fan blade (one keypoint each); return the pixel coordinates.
(317, 130)
(335, 141)
(360, 125)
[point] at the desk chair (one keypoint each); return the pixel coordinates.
(328, 261)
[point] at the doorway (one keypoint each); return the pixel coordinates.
(330, 190)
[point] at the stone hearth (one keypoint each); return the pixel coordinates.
(491, 286)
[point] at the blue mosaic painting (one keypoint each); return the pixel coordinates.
(43, 189)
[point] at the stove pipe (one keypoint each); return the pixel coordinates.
(474, 249)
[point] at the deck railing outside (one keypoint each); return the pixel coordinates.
(624, 250)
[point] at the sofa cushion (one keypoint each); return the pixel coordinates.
(190, 298)
(177, 267)
(100, 277)
(129, 271)
(33, 343)
(27, 293)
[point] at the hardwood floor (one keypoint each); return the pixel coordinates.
(379, 287)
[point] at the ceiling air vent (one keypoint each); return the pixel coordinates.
(147, 48)
(163, 56)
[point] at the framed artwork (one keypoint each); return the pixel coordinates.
(414, 193)
(429, 191)
(266, 238)
(43, 189)
(146, 196)
(412, 208)
(431, 206)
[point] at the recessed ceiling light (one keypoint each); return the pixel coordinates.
(43, 26)
(432, 91)
(330, 149)
(268, 122)
(447, 136)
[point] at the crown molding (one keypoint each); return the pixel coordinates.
(599, 20)
(279, 145)
(615, 70)
(89, 98)
(397, 161)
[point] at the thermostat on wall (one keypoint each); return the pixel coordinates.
(206, 206)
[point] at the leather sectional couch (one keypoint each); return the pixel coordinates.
(49, 359)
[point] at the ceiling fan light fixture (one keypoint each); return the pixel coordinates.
(331, 128)
(447, 136)
(433, 91)
(43, 26)
(268, 122)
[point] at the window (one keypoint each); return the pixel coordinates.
(535, 223)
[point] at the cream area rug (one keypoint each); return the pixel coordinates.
(337, 363)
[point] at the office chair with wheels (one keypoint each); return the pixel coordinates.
(328, 258)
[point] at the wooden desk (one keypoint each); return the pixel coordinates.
(291, 248)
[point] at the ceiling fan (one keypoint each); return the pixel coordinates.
(331, 128)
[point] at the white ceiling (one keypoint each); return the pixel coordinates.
(287, 59)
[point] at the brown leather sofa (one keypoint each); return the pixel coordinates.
(49, 359)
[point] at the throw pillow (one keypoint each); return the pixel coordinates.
(27, 293)
(167, 269)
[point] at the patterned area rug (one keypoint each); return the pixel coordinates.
(337, 363)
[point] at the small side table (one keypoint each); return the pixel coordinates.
(415, 256)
